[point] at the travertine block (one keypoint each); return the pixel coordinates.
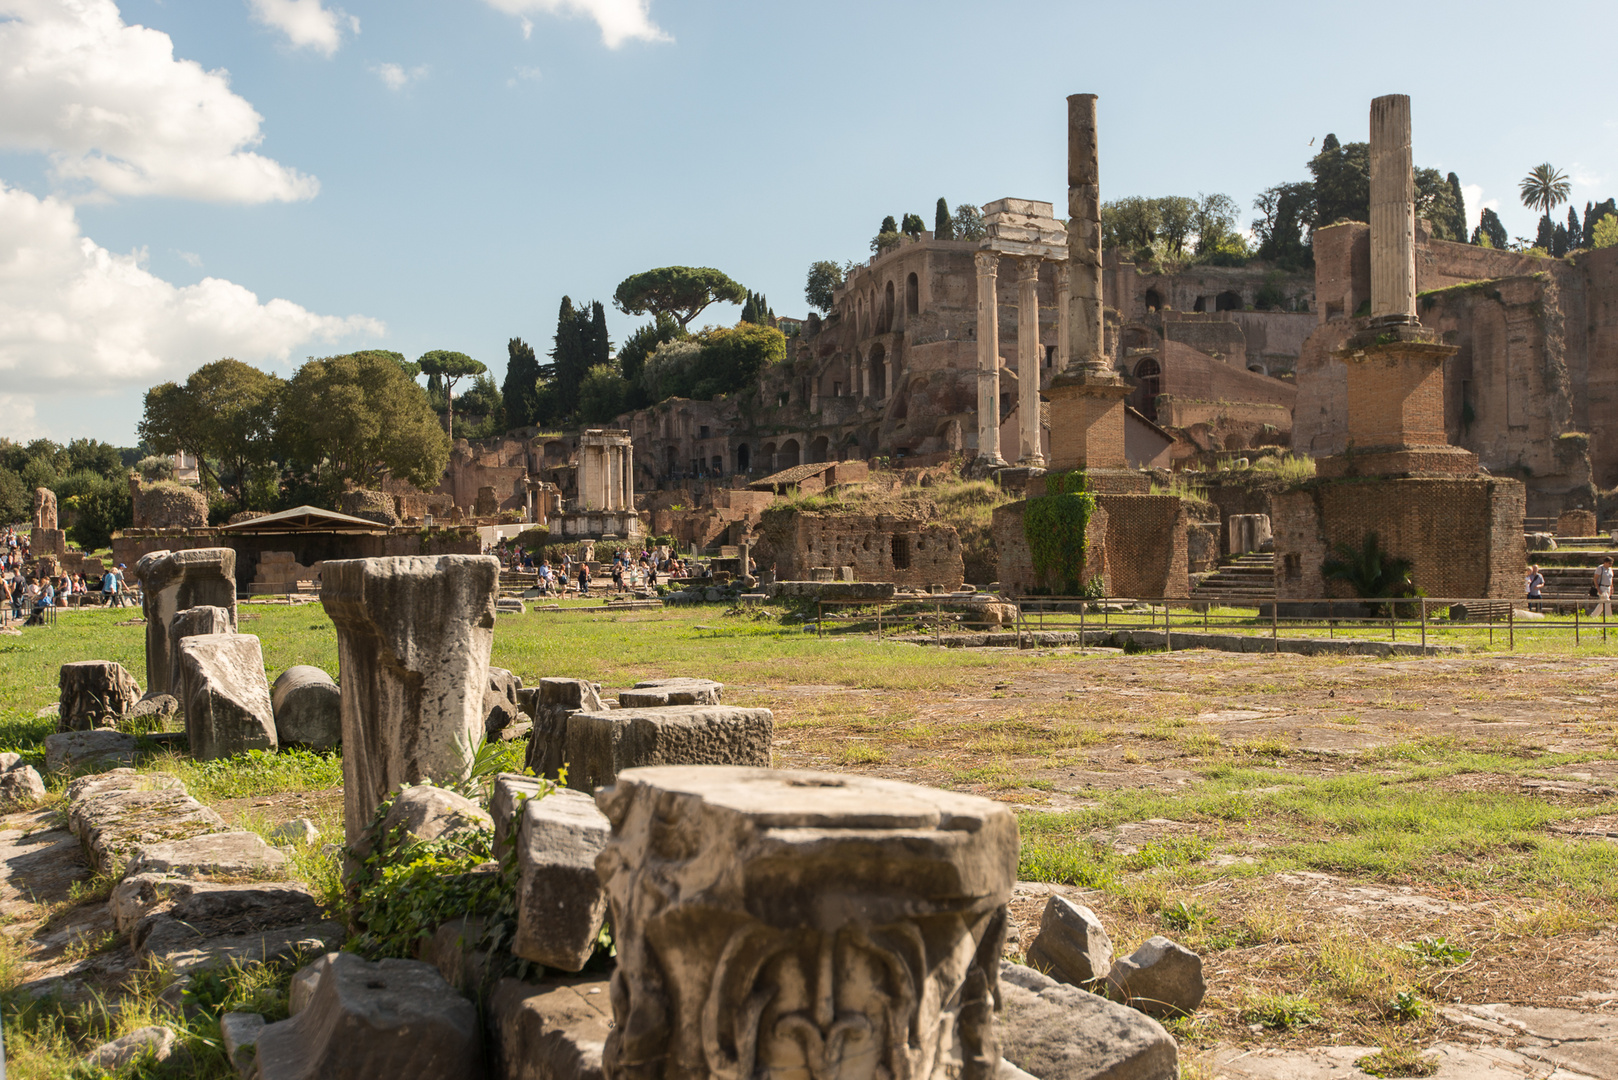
(603, 744)
(226, 696)
(172, 581)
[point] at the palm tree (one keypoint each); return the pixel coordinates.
(1544, 188)
(1369, 571)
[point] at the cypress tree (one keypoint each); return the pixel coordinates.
(943, 224)
(1489, 225)
(600, 344)
(1589, 223)
(522, 372)
(750, 309)
(888, 225)
(1575, 231)
(1545, 239)
(1593, 215)
(1458, 213)
(1559, 240)
(569, 358)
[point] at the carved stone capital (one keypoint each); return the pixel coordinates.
(988, 263)
(1028, 268)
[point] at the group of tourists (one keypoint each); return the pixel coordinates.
(1600, 589)
(629, 571)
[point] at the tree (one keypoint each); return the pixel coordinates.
(1286, 213)
(450, 366)
(16, 501)
(1490, 232)
(1559, 241)
(360, 418)
(1175, 215)
(1213, 221)
(913, 226)
(1131, 222)
(483, 398)
(600, 345)
(1594, 214)
(1606, 231)
(1457, 223)
(1436, 203)
(643, 342)
(1368, 570)
(100, 513)
(1575, 231)
(888, 225)
(717, 361)
(967, 222)
(226, 415)
(818, 290)
(1545, 239)
(1342, 188)
(943, 225)
(522, 372)
(750, 310)
(681, 291)
(1544, 188)
(602, 394)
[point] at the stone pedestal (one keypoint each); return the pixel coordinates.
(803, 924)
(413, 640)
(1087, 422)
(172, 581)
(1396, 407)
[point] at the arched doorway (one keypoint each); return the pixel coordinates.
(772, 457)
(1154, 300)
(744, 458)
(1150, 377)
(912, 295)
(1228, 301)
(817, 450)
(879, 372)
(789, 455)
(669, 452)
(885, 324)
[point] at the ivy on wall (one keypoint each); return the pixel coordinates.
(1054, 525)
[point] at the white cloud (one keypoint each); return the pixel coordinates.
(113, 108)
(73, 314)
(525, 74)
(396, 76)
(308, 24)
(620, 20)
(1475, 202)
(190, 258)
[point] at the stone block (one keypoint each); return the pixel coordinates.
(154, 709)
(203, 619)
(423, 812)
(560, 902)
(1071, 945)
(413, 640)
(99, 748)
(20, 788)
(500, 707)
(226, 696)
(558, 699)
(510, 606)
(572, 694)
(508, 790)
(94, 693)
(172, 581)
(456, 950)
(154, 1043)
(302, 987)
(1059, 1032)
(239, 1032)
(1161, 978)
(388, 1018)
(217, 854)
(552, 1032)
(758, 892)
(308, 708)
(196, 925)
(601, 745)
(653, 693)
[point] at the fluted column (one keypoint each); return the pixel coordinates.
(988, 263)
(1064, 298)
(1028, 350)
(1393, 212)
(1085, 346)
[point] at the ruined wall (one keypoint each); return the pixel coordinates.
(1016, 562)
(1146, 545)
(1598, 396)
(879, 548)
(1463, 534)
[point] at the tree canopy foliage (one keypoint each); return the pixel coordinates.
(719, 360)
(1174, 227)
(359, 417)
(520, 388)
(824, 278)
(680, 291)
(226, 415)
(1544, 188)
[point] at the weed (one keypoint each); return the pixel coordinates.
(1392, 1061)
(1185, 916)
(1280, 1011)
(1407, 1005)
(1438, 950)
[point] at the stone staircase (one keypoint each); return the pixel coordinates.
(1245, 581)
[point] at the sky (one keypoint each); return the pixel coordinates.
(270, 180)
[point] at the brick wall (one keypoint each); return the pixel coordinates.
(1395, 398)
(1464, 534)
(879, 548)
(1016, 562)
(1146, 545)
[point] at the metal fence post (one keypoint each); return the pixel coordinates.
(1275, 626)
(879, 620)
(1168, 639)
(1424, 626)
(1511, 627)
(820, 618)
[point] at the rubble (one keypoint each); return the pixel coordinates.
(600, 745)
(307, 706)
(94, 693)
(226, 697)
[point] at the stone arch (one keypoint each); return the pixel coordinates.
(744, 458)
(885, 321)
(1154, 300)
(1149, 376)
(818, 448)
(790, 454)
(912, 294)
(771, 455)
(1259, 368)
(1228, 300)
(879, 371)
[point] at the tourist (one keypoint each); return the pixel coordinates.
(651, 578)
(1536, 585)
(43, 597)
(1601, 588)
(617, 575)
(546, 577)
(584, 578)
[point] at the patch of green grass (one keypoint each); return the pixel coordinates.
(1437, 950)
(1281, 1011)
(1400, 1061)
(253, 773)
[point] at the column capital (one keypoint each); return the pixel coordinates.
(1062, 274)
(988, 263)
(1028, 267)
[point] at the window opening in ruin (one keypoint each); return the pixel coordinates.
(1154, 300)
(912, 295)
(744, 458)
(1228, 301)
(887, 309)
(702, 432)
(1150, 378)
(718, 465)
(836, 389)
(1050, 355)
(901, 553)
(671, 461)
(1294, 565)
(1201, 304)
(879, 372)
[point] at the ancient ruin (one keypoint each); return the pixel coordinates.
(171, 582)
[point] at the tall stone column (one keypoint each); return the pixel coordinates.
(1064, 319)
(988, 263)
(629, 476)
(1085, 346)
(1028, 356)
(1393, 212)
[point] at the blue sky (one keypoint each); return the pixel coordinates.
(301, 177)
